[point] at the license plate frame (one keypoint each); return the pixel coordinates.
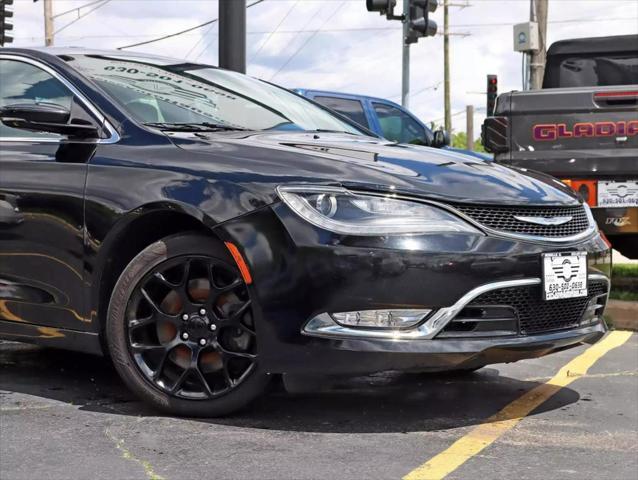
(564, 275)
(616, 194)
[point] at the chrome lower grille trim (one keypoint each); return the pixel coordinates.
(323, 325)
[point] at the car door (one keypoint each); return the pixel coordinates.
(42, 178)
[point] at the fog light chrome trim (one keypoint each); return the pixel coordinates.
(323, 324)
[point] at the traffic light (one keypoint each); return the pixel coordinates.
(4, 25)
(492, 93)
(384, 7)
(419, 22)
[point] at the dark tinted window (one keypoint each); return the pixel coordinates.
(353, 109)
(591, 71)
(398, 126)
(26, 83)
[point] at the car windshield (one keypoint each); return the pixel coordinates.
(169, 95)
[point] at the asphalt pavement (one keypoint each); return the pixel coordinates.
(65, 415)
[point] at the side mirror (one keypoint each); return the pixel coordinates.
(46, 117)
(441, 139)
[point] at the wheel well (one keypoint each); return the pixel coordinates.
(135, 237)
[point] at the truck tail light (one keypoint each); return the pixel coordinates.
(588, 189)
(495, 134)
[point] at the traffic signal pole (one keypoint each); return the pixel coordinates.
(405, 65)
(5, 25)
(232, 35)
(446, 68)
(416, 24)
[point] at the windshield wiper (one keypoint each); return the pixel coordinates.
(193, 127)
(324, 130)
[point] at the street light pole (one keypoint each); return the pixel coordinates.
(232, 35)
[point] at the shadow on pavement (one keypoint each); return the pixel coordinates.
(384, 402)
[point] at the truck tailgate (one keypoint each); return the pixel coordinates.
(591, 132)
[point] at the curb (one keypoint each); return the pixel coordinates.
(624, 314)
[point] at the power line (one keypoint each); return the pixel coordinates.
(201, 39)
(81, 16)
(270, 34)
(210, 43)
(181, 32)
(460, 112)
(76, 9)
(170, 35)
(331, 30)
(303, 45)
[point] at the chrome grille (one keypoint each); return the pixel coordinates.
(503, 219)
(536, 315)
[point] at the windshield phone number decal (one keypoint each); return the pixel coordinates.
(192, 95)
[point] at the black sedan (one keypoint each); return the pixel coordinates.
(207, 230)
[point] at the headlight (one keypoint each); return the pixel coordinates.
(341, 211)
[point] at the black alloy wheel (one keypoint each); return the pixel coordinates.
(187, 328)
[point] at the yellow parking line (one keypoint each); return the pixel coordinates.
(487, 433)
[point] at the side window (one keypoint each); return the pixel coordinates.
(26, 83)
(398, 126)
(350, 108)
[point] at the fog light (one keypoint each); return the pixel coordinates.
(380, 318)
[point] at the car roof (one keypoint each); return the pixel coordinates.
(343, 94)
(611, 44)
(61, 51)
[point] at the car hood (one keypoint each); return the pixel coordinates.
(274, 158)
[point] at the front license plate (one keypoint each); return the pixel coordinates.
(564, 275)
(618, 194)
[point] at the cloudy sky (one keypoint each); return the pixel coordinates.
(337, 44)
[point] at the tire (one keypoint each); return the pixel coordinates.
(146, 326)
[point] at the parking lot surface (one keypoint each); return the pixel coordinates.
(67, 415)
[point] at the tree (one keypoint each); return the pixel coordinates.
(459, 140)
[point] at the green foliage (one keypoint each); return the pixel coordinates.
(625, 270)
(623, 283)
(623, 295)
(459, 140)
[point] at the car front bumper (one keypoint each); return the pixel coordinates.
(301, 273)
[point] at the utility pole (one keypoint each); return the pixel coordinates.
(469, 130)
(446, 67)
(48, 22)
(538, 57)
(405, 62)
(232, 35)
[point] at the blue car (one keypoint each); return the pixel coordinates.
(385, 118)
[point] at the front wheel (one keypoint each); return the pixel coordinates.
(181, 330)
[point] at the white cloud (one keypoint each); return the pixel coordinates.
(356, 61)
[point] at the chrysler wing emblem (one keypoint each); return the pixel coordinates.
(546, 221)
